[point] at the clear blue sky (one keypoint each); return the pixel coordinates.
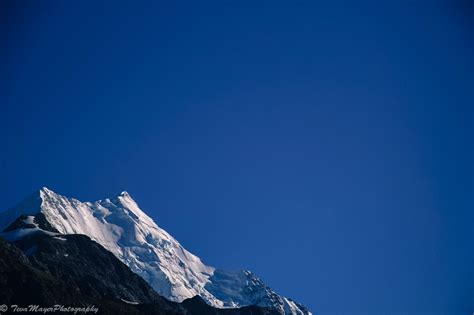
(325, 146)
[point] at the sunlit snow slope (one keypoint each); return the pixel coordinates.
(123, 228)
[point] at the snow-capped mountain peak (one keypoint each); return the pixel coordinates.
(131, 235)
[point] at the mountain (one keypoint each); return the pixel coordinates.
(47, 268)
(119, 225)
(72, 270)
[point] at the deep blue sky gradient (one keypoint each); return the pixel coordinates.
(326, 147)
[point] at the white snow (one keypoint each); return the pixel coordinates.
(130, 302)
(123, 228)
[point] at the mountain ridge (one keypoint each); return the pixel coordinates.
(131, 235)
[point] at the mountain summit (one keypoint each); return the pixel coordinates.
(119, 225)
